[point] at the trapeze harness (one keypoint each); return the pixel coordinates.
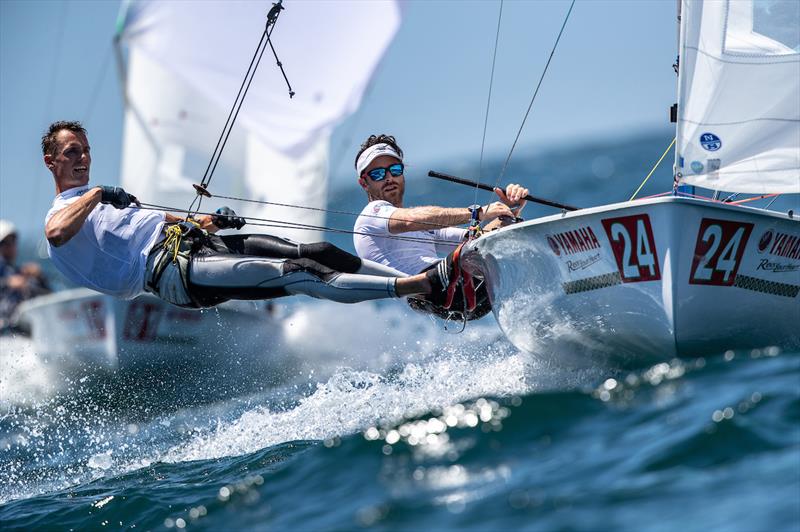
(195, 269)
(460, 298)
(463, 299)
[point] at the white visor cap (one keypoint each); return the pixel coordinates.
(372, 153)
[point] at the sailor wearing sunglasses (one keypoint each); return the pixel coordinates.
(414, 239)
(102, 238)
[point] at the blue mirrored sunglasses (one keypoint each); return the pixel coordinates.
(379, 174)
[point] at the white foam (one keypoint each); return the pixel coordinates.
(101, 460)
(397, 363)
(352, 400)
(372, 336)
(25, 378)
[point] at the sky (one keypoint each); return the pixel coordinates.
(610, 77)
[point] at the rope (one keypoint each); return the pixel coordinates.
(505, 164)
(272, 18)
(489, 99)
(97, 86)
(267, 222)
(174, 237)
(763, 196)
(51, 90)
(327, 211)
(217, 153)
(726, 202)
(671, 144)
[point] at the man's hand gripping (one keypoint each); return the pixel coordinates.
(117, 197)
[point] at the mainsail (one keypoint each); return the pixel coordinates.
(739, 96)
(185, 63)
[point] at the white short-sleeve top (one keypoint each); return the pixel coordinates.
(109, 253)
(407, 252)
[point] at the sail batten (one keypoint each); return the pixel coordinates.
(739, 96)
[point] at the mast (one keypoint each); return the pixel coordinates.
(675, 112)
(676, 109)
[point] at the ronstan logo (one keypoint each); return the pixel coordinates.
(777, 267)
(573, 241)
(582, 264)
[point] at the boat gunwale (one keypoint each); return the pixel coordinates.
(564, 215)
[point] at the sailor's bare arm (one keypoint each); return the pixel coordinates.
(205, 220)
(426, 218)
(66, 223)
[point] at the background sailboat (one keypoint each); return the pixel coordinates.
(181, 70)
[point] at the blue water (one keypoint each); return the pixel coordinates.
(393, 423)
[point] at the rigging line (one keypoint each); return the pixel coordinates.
(51, 94)
(153, 206)
(489, 99)
(330, 211)
(671, 144)
(348, 130)
(546, 66)
(48, 109)
(230, 129)
(267, 222)
(755, 198)
(233, 107)
(772, 201)
(97, 86)
(278, 62)
(272, 18)
(232, 114)
(323, 229)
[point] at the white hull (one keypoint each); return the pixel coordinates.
(81, 327)
(642, 282)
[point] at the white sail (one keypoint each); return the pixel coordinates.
(739, 96)
(186, 61)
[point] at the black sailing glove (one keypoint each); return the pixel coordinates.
(117, 197)
(226, 219)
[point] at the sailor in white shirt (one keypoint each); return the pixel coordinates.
(414, 239)
(101, 238)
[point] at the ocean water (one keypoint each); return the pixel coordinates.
(381, 419)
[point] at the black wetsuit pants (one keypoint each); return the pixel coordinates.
(265, 267)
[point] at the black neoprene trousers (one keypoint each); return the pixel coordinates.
(265, 267)
(274, 247)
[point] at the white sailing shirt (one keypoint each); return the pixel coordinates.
(407, 252)
(109, 253)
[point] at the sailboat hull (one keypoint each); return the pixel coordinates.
(641, 282)
(80, 328)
